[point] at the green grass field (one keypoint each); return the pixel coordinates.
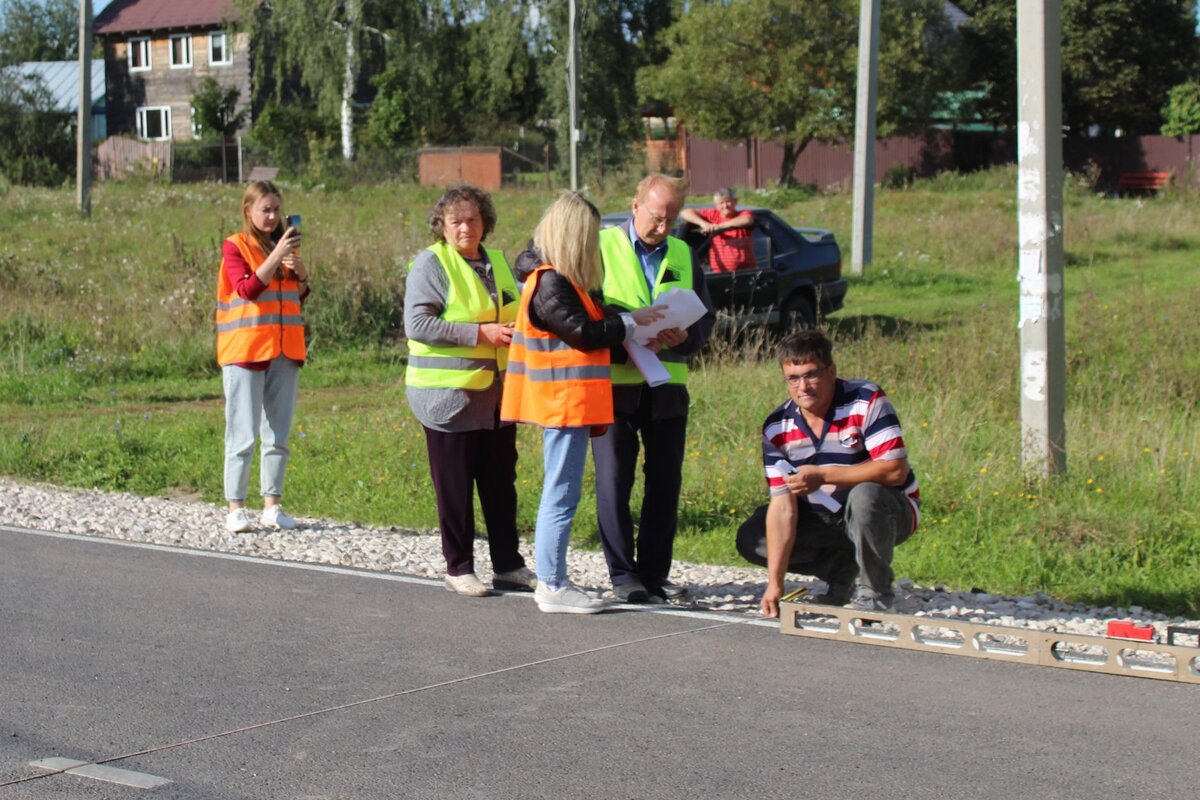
(107, 376)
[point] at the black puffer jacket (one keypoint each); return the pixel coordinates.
(556, 308)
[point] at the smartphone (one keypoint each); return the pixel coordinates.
(293, 221)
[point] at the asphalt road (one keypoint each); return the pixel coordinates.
(239, 678)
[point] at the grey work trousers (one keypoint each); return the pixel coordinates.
(854, 544)
(258, 402)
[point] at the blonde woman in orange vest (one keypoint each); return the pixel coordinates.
(558, 378)
(260, 347)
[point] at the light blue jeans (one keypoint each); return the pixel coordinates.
(258, 403)
(564, 453)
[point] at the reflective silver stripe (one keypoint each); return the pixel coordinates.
(544, 345)
(563, 373)
(265, 297)
(516, 367)
(261, 319)
(452, 362)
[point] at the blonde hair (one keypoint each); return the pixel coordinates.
(654, 180)
(255, 192)
(568, 237)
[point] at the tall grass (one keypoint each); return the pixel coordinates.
(106, 373)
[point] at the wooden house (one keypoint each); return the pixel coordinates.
(156, 53)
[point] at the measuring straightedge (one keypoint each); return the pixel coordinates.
(1138, 659)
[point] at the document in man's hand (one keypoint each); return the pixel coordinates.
(647, 363)
(682, 307)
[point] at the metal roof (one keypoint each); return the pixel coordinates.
(61, 78)
(131, 16)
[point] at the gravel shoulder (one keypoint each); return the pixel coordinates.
(200, 526)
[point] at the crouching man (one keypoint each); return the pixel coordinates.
(842, 493)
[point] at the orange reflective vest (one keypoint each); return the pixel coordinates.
(550, 383)
(261, 329)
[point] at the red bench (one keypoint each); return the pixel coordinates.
(1142, 182)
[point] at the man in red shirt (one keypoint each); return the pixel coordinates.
(730, 229)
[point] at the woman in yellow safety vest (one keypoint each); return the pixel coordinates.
(460, 301)
(261, 286)
(558, 377)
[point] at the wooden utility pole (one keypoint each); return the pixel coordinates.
(83, 133)
(573, 133)
(864, 136)
(1040, 237)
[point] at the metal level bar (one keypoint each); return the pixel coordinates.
(1135, 659)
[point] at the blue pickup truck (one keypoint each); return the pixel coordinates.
(797, 275)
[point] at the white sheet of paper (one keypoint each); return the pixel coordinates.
(822, 496)
(647, 363)
(683, 307)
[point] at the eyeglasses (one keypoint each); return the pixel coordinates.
(808, 378)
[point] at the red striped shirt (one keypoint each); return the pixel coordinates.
(861, 425)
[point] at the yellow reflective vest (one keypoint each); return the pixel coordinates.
(625, 286)
(470, 367)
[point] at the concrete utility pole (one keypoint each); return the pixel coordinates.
(864, 136)
(1040, 236)
(83, 134)
(573, 134)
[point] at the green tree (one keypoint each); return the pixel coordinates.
(215, 110)
(318, 51)
(1120, 58)
(1181, 114)
(785, 70)
(464, 76)
(614, 39)
(37, 141)
(38, 30)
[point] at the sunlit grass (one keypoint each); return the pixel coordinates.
(107, 377)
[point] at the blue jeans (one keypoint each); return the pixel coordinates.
(259, 404)
(564, 453)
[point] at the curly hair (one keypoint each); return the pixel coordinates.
(462, 192)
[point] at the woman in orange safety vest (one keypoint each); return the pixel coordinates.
(558, 378)
(260, 347)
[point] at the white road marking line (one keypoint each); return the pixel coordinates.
(99, 772)
(719, 616)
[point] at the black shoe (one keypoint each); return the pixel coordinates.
(667, 590)
(631, 592)
(835, 595)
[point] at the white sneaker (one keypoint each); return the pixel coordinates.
(239, 521)
(569, 599)
(520, 579)
(275, 517)
(467, 585)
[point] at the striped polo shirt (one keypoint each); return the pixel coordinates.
(861, 425)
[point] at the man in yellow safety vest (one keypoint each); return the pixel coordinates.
(641, 261)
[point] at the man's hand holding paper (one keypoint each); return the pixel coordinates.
(681, 307)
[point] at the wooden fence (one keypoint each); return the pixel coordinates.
(120, 157)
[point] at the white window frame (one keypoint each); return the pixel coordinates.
(225, 49)
(179, 37)
(141, 43)
(141, 123)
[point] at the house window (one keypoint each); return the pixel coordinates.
(181, 50)
(218, 48)
(139, 54)
(154, 122)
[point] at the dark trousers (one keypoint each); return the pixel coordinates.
(648, 559)
(459, 463)
(855, 544)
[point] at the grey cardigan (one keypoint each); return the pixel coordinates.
(449, 410)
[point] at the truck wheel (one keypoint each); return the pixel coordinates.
(797, 314)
